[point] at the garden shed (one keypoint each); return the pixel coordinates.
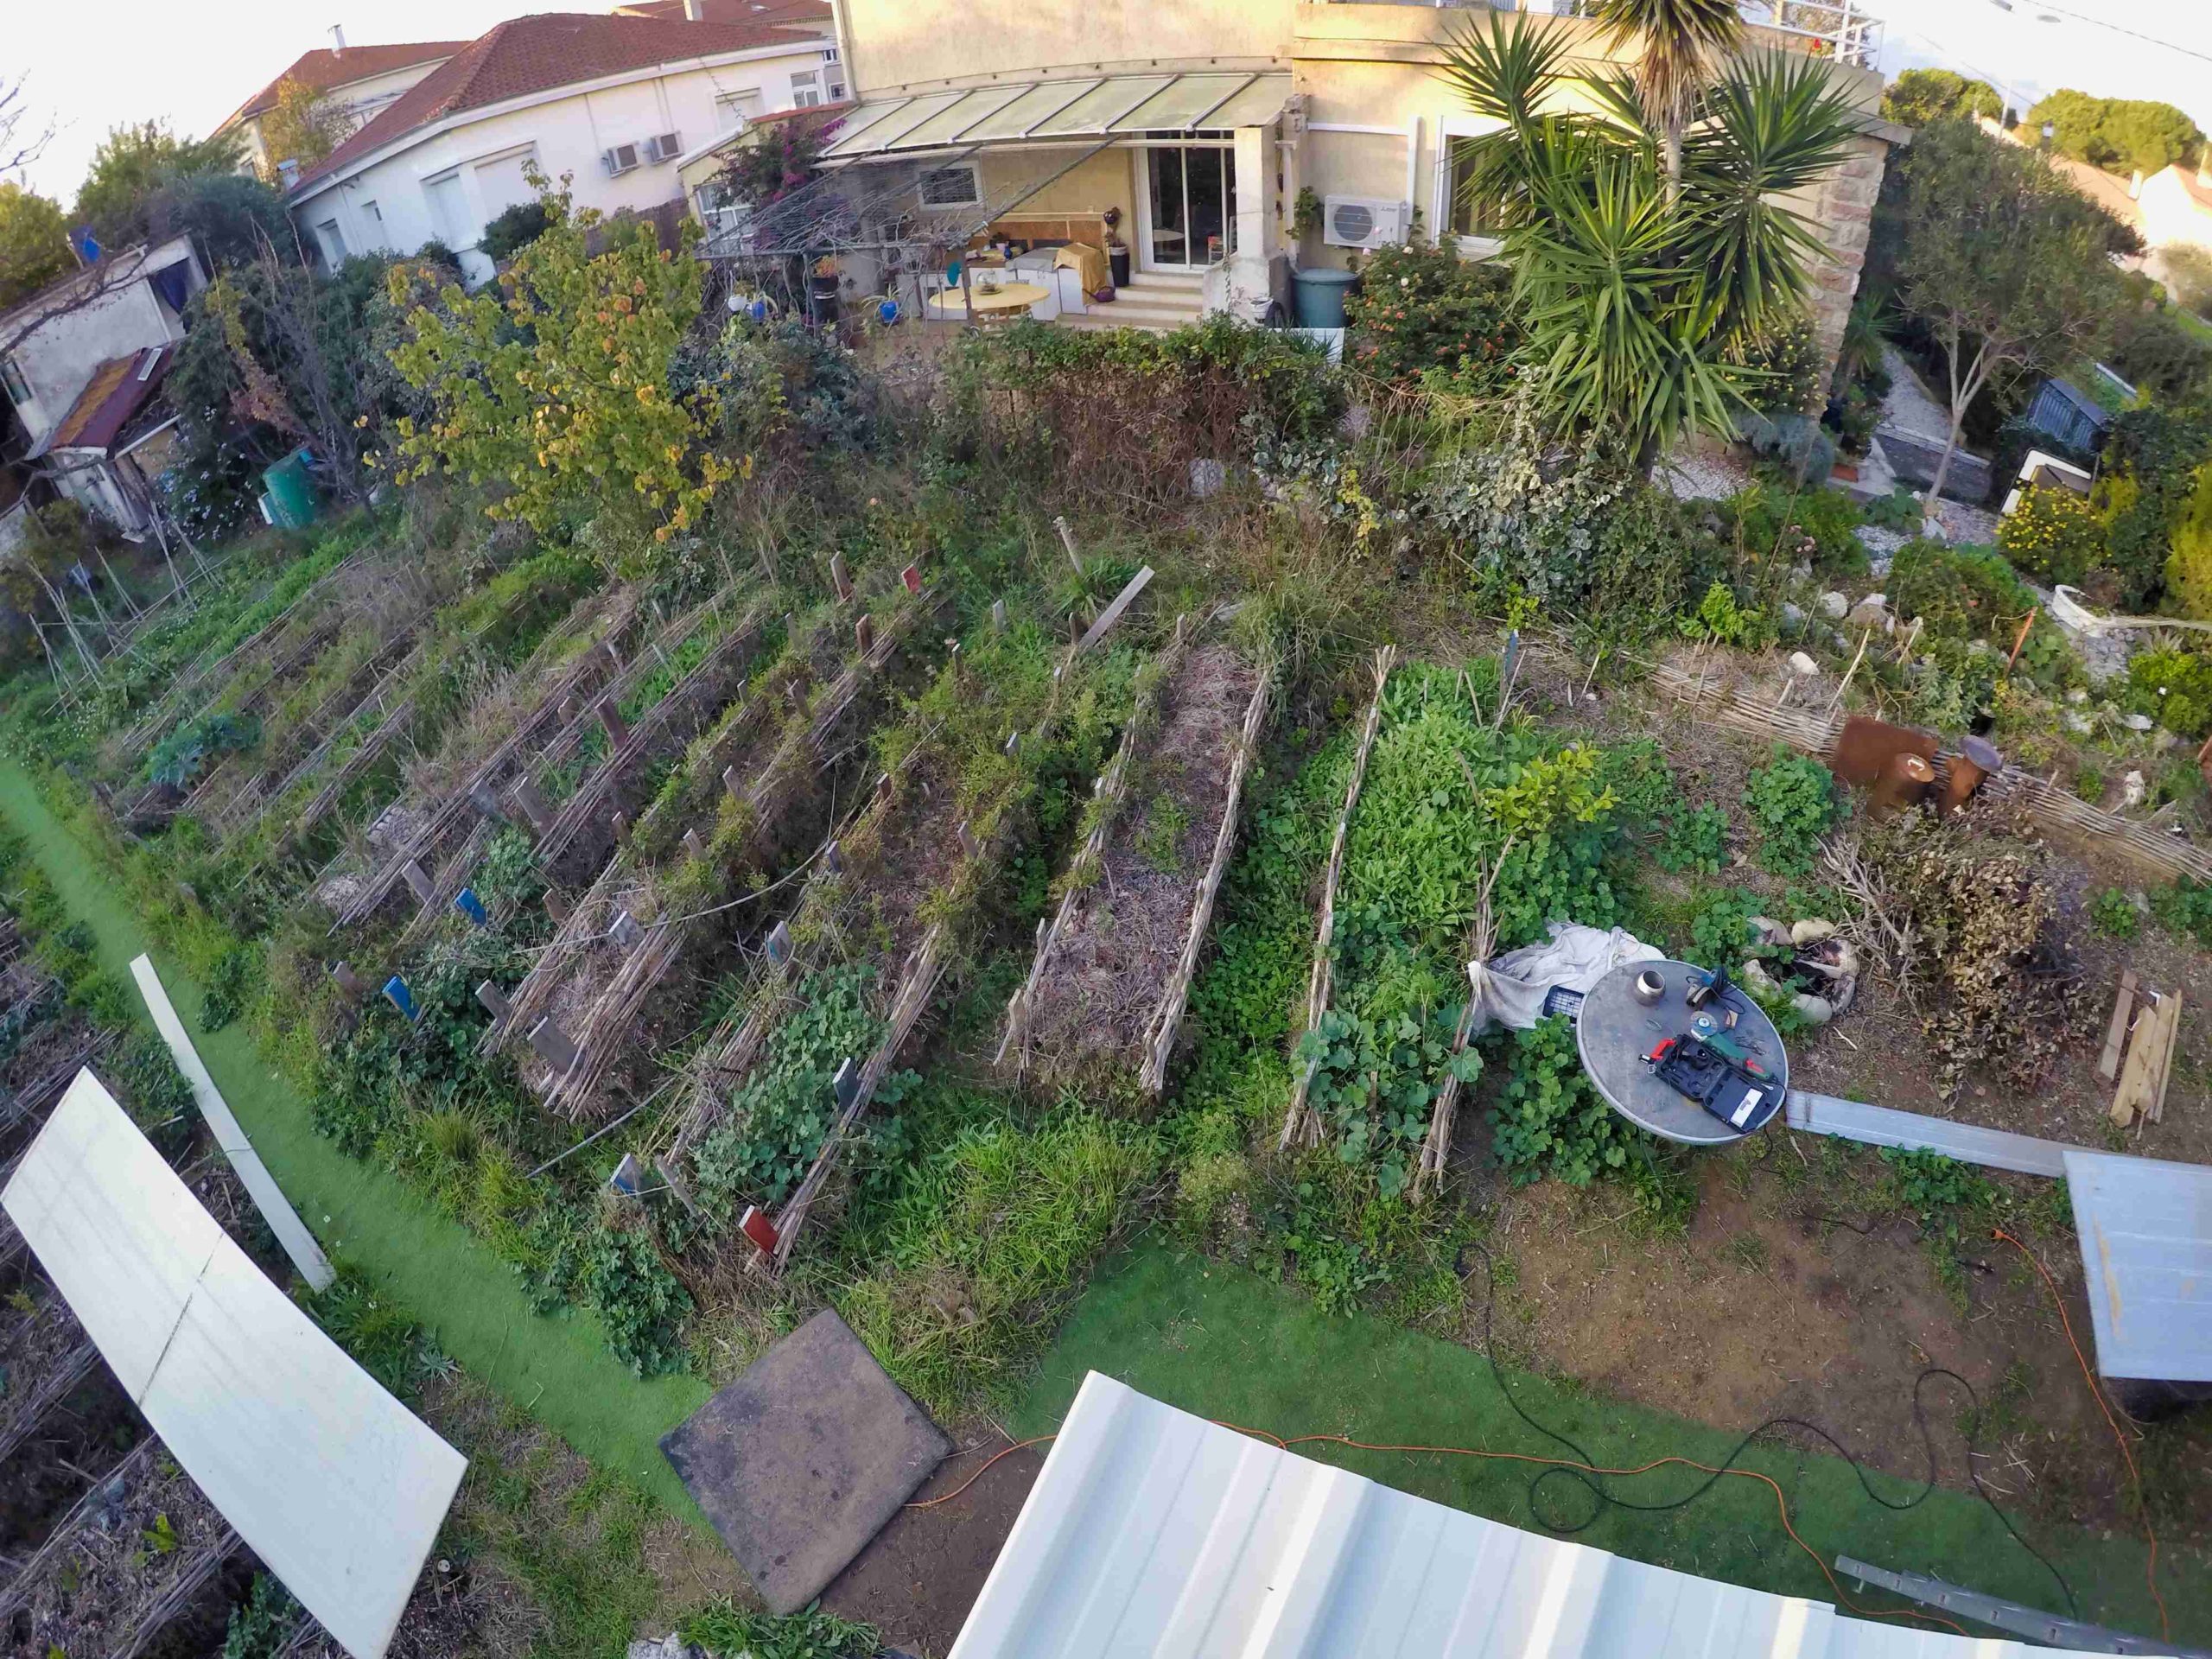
(1154, 1531)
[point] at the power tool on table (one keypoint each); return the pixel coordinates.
(1727, 1081)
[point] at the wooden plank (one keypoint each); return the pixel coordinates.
(1880, 1126)
(2116, 1037)
(2138, 1078)
(1112, 613)
(2172, 1032)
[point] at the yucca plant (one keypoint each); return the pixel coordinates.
(1633, 283)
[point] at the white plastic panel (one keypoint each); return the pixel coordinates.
(1150, 1532)
(2145, 1228)
(330, 1480)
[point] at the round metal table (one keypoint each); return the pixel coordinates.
(1615, 1032)
(951, 306)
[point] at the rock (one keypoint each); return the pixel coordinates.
(670, 1646)
(2138, 722)
(2163, 741)
(1811, 931)
(1207, 476)
(1835, 606)
(1871, 612)
(1801, 664)
(2081, 725)
(1793, 616)
(2079, 694)
(1802, 570)
(2132, 791)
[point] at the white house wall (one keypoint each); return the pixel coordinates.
(566, 135)
(356, 100)
(59, 358)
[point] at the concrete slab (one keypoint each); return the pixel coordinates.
(802, 1459)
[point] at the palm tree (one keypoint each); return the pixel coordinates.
(1683, 43)
(1634, 280)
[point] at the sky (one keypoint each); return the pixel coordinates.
(88, 65)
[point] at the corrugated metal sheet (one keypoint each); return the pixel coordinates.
(337, 1486)
(2145, 1228)
(1154, 1532)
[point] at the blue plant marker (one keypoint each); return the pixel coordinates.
(759, 309)
(470, 905)
(888, 310)
(402, 998)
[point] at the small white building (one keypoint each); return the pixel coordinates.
(355, 82)
(84, 375)
(609, 101)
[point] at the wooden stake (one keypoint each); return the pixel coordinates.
(419, 879)
(1067, 540)
(2026, 622)
(494, 1000)
(2116, 1035)
(1864, 640)
(611, 722)
(840, 577)
(693, 845)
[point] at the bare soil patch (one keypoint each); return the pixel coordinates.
(1123, 936)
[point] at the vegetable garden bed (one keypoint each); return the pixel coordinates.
(1113, 966)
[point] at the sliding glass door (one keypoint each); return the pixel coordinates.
(1190, 216)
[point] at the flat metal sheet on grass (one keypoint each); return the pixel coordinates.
(802, 1459)
(2145, 1228)
(339, 1488)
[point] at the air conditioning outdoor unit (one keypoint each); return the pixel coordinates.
(623, 158)
(1363, 221)
(665, 148)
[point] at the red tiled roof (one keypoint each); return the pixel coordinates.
(109, 399)
(322, 69)
(732, 11)
(537, 55)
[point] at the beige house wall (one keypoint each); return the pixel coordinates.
(1378, 116)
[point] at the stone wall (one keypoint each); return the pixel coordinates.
(1844, 211)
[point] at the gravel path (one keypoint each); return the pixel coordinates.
(1910, 407)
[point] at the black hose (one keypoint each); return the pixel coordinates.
(1601, 1499)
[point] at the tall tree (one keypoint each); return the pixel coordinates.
(304, 127)
(2118, 133)
(135, 163)
(34, 244)
(1920, 96)
(1681, 44)
(1636, 287)
(2002, 260)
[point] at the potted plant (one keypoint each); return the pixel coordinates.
(1117, 252)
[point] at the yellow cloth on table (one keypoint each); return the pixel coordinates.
(1089, 262)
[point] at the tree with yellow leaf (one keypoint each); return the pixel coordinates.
(551, 385)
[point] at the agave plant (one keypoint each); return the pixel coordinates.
(1633, 283)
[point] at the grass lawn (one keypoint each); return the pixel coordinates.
(559, 1369)
(1229, 1345)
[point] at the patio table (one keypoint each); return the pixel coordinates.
(1614, 1032)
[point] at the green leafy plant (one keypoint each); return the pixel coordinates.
(2174, 687)
(1694, 840)
(260, 1624)
(506, 233)
(1718, 617)
(228, 987)
(640, 1301)
(2185, 909)
(161, 1537)
(1419, 307)
(1551, 1120)
(179, 758)
(1792, 805)
(2113, 914)
(777, 1120)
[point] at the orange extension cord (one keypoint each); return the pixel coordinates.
(2127, 1453)
(1780, 1502)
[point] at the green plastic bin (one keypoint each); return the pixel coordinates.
(292, 503)
(1321, 296)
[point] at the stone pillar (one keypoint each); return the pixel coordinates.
(1843, 212)
(1245, 285)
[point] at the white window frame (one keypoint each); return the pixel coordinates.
(329, 232)
(833, 75)
(1449, 127)
(975, 197)
(12, 380)
(372, 216)
(806, 89)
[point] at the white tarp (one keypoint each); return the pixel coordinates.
(1511, 989)
(339, 1488)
